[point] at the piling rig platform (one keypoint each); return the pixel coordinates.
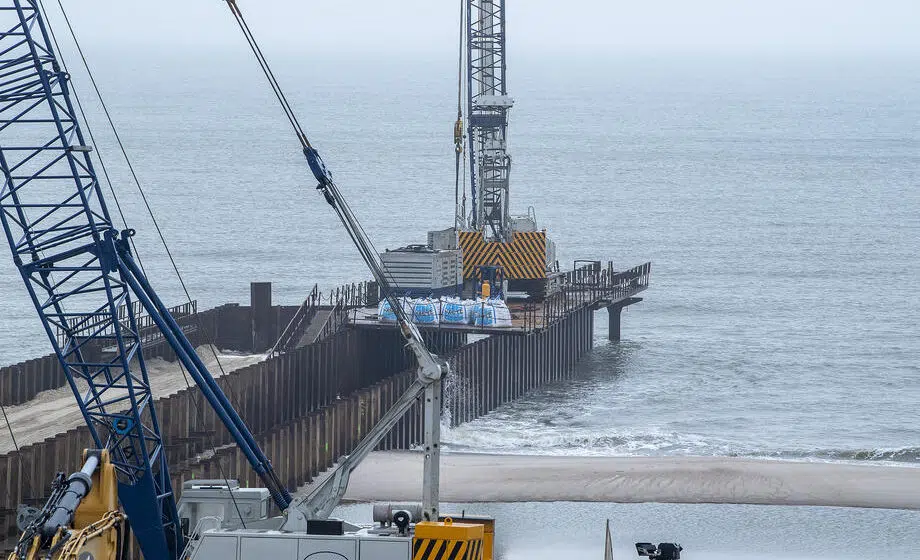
(589, 285)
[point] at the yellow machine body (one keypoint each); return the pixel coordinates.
(486, 290)
(446, 539)
(103, 497)
(96, 522)
(522, 258)
(488, 529)
(101, 501)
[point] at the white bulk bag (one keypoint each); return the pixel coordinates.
(454, 311)
(425, 312)
(483, 313)
(385, 313)
(502, 313)
(491, 313)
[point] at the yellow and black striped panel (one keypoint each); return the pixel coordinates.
(443, 549)
(523, 258)
(477, 252)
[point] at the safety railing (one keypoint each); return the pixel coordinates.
(104, 328)
(349, 296)
(298, 323)
(586, 284)
(336, 320)
(589, 283)
(207, 523)
(342, 299)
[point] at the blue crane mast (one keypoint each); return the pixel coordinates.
(488, 108)
(88, 289)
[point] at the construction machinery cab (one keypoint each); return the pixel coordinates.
(490, 281)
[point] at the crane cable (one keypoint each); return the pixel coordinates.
(22, 464)
(108, 181)
(105, 174)
(326, 185)
(86, 124)
(459, 211)
(266, 69)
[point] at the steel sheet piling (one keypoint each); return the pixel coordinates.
(309, 406)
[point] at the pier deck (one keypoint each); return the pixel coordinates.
(585, 286)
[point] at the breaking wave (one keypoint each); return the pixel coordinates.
(460, 439)
(904, 455)
(654, 443)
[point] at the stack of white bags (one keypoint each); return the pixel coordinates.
(449, 311)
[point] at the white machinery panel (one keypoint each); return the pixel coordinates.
(443, 239)
(276, 546)
(523, 223)
(224, 500)
(423, 268)
(328, 548)
(217, 548)
(385, 549)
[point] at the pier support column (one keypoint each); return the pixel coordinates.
(261, 304)
(614, 311)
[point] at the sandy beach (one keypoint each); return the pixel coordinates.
(396, 476)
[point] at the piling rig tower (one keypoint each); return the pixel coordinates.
(488, 109)
(492, 236)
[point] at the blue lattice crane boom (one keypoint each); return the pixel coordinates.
(88, 289)
(85, 284)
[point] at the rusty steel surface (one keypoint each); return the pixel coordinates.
(312, 405)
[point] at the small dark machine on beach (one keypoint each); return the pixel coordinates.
(664, 551)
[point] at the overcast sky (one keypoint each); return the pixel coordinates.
(849, 26)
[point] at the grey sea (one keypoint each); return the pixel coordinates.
(776, 197)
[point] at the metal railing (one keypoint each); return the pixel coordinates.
(298, 323)
(351, 296)
(341, 299)
(206, 523)
(146, 328)
(589, 284)
(336, 320)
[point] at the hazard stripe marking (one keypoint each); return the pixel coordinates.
(475, 552)
(423, 548)
(459, 551)
(440, 549)
(524, 257)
